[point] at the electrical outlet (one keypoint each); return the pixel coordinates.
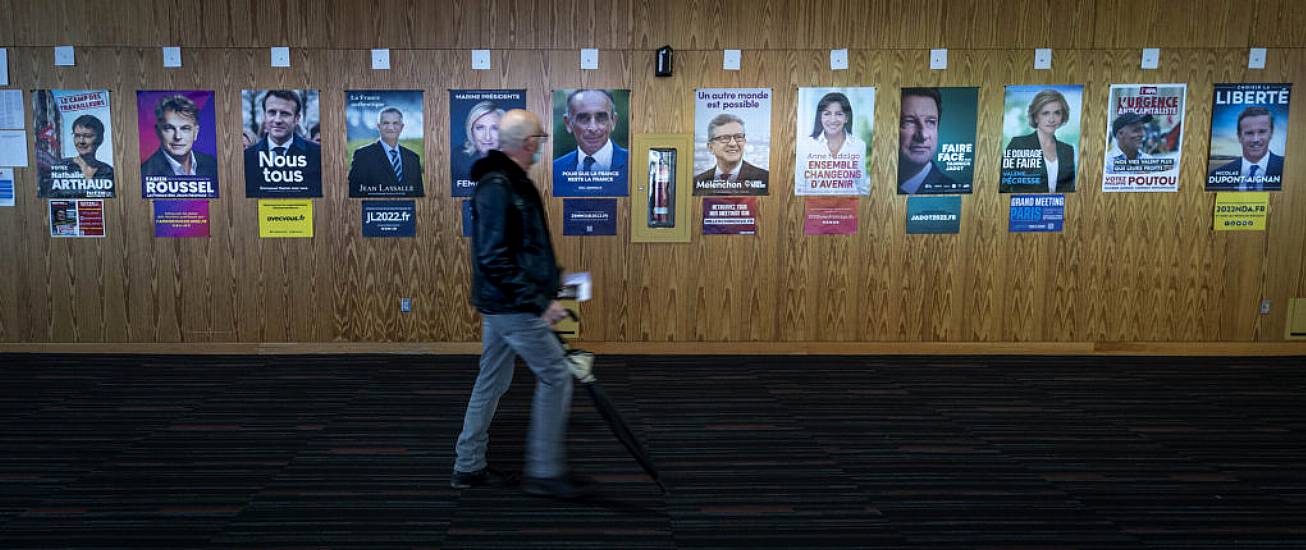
(280, 56)
(1256, 58)
(405, 305)
(171, 57)
(589, 59)
(839, 59)
(1265, 306)
(1043, 59)
(730, 60)
(381, 59)
(480, 60)
(939, 59)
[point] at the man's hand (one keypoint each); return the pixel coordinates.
(554, 314)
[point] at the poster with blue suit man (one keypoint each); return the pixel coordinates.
(281, 162)
(591, 141)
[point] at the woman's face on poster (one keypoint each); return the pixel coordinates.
(1050, 116)
(833, 119)
(485, 133)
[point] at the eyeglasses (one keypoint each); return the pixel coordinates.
(727, 139)
(540, 136)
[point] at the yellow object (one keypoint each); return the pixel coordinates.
(569, 328)
(1241, 211)
(1295, 328)
(285, 218)
(640, 194)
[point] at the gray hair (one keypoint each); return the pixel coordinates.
(722, 120)
(389, 109)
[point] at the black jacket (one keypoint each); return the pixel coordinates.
(514, 269)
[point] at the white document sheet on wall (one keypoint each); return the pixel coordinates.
(13, 148)
(11, 110)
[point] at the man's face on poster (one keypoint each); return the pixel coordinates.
(590, 117)
(727, 143)
(177, 134)
(1254, 134)
(390, 126)
(1130, 138)
(918, 129)
(280, 117)
(85, 140)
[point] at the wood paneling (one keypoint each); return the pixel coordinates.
(1129, 269)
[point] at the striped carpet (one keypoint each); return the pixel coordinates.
(758, 452)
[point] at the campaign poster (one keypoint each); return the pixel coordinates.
(474, 130)
(585, 217)
(1249, 136)
(281, 161)
(732, 137)
(1037, 213)
(178, 144)
(591, 142)
(834, 141)
(6, 186)
(77, 218)
(730, 216)
(927, 215)
(1040, 139)
(385, 143)
(1241, 211)
(285, 218)
(389, 219)
(181, 219)
(830, 216)
(1145, 134)
(936, 140)
(73, 135)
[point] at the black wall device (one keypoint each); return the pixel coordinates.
(663, 64)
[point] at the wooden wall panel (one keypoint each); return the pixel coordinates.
(1127, 268)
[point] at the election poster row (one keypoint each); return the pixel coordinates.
(384, 129)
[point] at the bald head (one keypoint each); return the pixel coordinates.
(520, 136)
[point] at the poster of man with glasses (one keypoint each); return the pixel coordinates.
(733, 128)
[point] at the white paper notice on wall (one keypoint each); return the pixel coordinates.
(589, 59)
(280, 56)
(1151, 58)
(381, 59)
(4, 66)
(481, 60)
(839, 59)
(64, 56)
(11, 110)
(939, 59)
(6, 186)
(730, 60)
(13, 148)
(171, 57)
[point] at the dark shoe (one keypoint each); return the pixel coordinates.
(484, 476)
(569, 486)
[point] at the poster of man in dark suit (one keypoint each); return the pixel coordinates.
(386, 159)
(178, 144)
(1249, 123)
(590, 143)
(733, 127)
(283, 163)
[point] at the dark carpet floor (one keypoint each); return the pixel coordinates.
(758, 452)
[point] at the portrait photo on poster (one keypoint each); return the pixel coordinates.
(73, 144)
(936, 140)
(474, 130)
(732, 141)
(591, 142)
(282, 159)
(1249, 137)
(1145, 134)
(385, 143)
(178, 144)
(834, 139)
(1040, 138)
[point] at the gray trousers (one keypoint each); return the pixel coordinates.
(503, 337)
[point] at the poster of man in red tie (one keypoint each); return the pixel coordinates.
(732, 133)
